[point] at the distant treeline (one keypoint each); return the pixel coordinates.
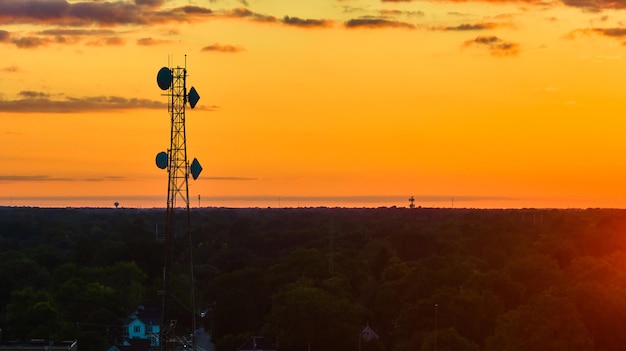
(312, 279)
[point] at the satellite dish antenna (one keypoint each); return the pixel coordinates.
(164, 78)
(161, 160)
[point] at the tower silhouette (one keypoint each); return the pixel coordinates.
(174, 81)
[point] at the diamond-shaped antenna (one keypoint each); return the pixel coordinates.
(195, 168)
(193, 97)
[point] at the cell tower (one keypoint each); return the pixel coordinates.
(174, 81)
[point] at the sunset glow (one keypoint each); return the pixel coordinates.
(317, 103)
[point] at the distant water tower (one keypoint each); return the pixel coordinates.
(411, 202)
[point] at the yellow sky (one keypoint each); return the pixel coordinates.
(317, 103)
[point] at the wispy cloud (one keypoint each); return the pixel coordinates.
(230, 178)
(103, 13)
(395, 12)
(306, 23)
(14, 178)
(78, 32)
(31, 42)
(29, 94)
(470, 26)
(10, 69)
(377, 23)
(110, 41)
(597, 5)
(207, 108)
(30, 178)
(48, 178)
(26, 42)
(98, 37)
(242, 12)
(222, 48)
(496, 46)
(150, 2)
(617, 33)
(152, 41)
(33, 101)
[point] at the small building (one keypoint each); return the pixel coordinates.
(143, 324)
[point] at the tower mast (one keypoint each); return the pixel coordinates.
(174, 81)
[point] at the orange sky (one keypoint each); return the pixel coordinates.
(317, 103)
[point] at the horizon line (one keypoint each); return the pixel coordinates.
(313, 201)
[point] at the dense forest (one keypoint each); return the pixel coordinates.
(312, 279)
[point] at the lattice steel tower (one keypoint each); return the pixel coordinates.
(174, 81)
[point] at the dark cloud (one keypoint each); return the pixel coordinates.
(30, 42)
(153, 3)
(376, 23)
(191, 10)
(484, 40)
(151, 41)
(597, 5)
(103, 13)
(496, 46)
(307, 23)
(471, 26)
(33, 94)
(32, 101)
(610, 32)
(242, 12)
(389, 12)
(222, 48)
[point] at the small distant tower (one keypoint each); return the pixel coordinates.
(411, 202)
